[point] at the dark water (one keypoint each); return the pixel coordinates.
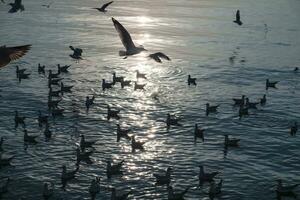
(200, 37)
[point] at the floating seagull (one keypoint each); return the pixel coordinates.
(294, 129)
(112, 113)
(48, 191)
(106, 85)
(42, 119)
(15, 7)
(113, 169)
(296, 69)
(176, 196)
(29, 138)
(114, 195)
(271, 84)
(198, 133)
(116, 79)
(243, 110)
(285, 190)
(47, 132)
(62, 68)
(165, 178)
(104, 6)
(83, 156)
(214, 189)
(94, 188)
(136, 144)
(41, 69)
(191, 81)
(140, 75)
(89, 101)
(19, 120)
(206, 176)
(171, 120)
(19, 71)
(77, 52)
(67, 176)
(231, 142)
(139, 86)
(239, 101)
(130, 47)
(238, 18)
(122, 133)
(85, 144)
(125, 83)
(158, 56)
(263, 100)
(8, 54)
(23, 76)
(251, 104)
(211, 109)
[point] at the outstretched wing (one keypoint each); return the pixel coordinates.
(124, 35)
(105, 5)
(237, 16)
(8, 54)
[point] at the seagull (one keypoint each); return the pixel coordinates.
(191, 81)
(85, 144)
(251, 104)
(19, 71)
(126, 39)
(106, 85)
(263, 100)
(270, 84)
(77, 52)
(8, 54)
(158, 56)
(206, 176)
(83, 156)
(243, 110)
(29, 138)
(238, 18)
(239, 101)
(165, 178)
(47, 132)
(296, 69)
(140, 75)
(198, 133)
(139, 86)
(19, 120)
(113, 169)
(294, 129)
(89, 101)
(233, 142)
(136, 144)
(172, 120)
(116, 79)
(67, 176)
(104, 6)
(215, 189)
(112, 113)
(176, 196)
(41, 69)
(122, 133)
(62, 68)
(120, 197)
(211, 109)
(15, 7)
(125, 83)
(42, 119)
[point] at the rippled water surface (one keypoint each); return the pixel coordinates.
(200, 37)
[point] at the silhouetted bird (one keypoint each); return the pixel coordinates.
(139, 86)
(89, 101)
(176, 195)
(113, 169)
(294, 129)
(239, 101)
(8, 54)
(136, 144)
(296, 69)
(125, 37)
(48, 192)
(42, 119)
(140, 75)
(122, 133)
(238, 18)
(191, 81)
(112, 113)
(116, 78)
(67, 176)
(243, 110)
(62, 68)
(214, 189)
(165, 178)
(271, 84)
(41, 69)
(104, 6)
(206, 176)
(19, 120)
(29, 138)
(15, 7)
(158, 56)
(106, 85)
(211, 109)
(77, 52)
(263, 100)
(198, 133)
(251, 104)
(233, 142)
(125, 83)
(123, 196)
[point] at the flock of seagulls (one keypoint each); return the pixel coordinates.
(86, 148)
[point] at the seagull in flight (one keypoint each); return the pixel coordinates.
(238, 18)
(8, 54)
(15, 7)
(76, 53)
(130, 47)
(104, 6)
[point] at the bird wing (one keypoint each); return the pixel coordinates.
(237, 16)
(8, 54)
(107, 4)
(162, 55)
(124, 35)
(155, 57)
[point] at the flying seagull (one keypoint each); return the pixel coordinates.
(76, 53)
(125, 37)
(15, 7)
(238, 18)
(8, 54)
(158, 56)
(130, 47)
(104, 6)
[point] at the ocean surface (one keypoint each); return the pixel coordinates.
(200, 37)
